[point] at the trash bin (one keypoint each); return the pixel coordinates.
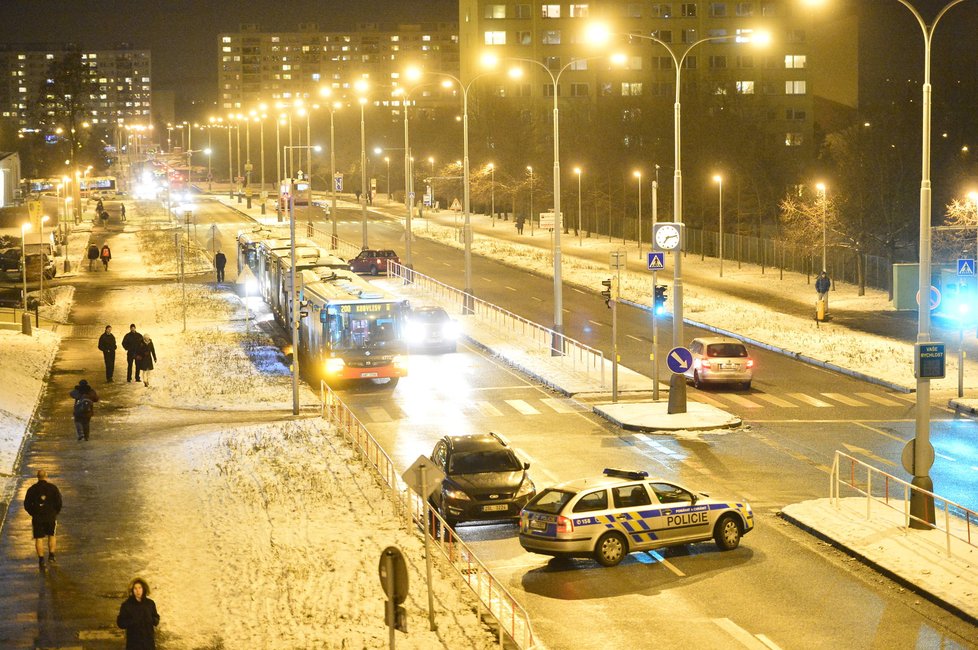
(25, 323)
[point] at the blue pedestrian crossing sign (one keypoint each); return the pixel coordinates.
(966, 267)
(657, 261)
(338, 182)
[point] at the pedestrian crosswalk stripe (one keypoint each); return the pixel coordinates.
(878, 399)
(487, 409)
(839, 397)
(559, 405)
(802, 397)
(776, 401)
(378, 414)
(743, 401)
(658, 446)
(522, 407)
(699, 397)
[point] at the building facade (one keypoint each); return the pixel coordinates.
(116, 83)
(257, 66)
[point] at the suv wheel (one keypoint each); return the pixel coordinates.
(697, 383)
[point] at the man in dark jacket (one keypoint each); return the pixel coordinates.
(43, 503)
(85, 398)
(106, 343)
(92, 256)
(131, 343)
(220, 261)
(138, 617)
(822, 285)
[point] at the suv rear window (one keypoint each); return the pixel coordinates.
(726, 350)
(550, 501)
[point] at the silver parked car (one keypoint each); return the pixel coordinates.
(720, 360)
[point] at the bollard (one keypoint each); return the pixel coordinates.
(25, 323)
(820, 310)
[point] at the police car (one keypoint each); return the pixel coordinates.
(612, 515)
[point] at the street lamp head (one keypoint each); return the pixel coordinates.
(45, 219)
(207, 151)
(515, 73)
(387, 159)
(637, 174)
(820, 187)
(577, 170)
(489, 60)
(362, 101)
(760, 38)
(619, 58)
(263, 107)
(24, 227)
(597, 34)
(973, 196)
(317, 148)
(529, 168)
(447, 83)
(717, 178)
(491, 166)
(431, 160)
(361, 85)
(378, 150)
(413, 73)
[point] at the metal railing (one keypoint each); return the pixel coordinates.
(884, 489)
(573, 355)
(511, 617)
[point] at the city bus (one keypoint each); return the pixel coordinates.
(99, 187)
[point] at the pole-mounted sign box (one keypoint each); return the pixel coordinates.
(928, 361)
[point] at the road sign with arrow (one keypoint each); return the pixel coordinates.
(679, 360)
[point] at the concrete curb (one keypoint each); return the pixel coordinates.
(794, 355)
(735, 423)
(900, 580)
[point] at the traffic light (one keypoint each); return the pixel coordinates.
(659, 304)
(606, 294)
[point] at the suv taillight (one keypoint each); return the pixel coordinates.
(705, 363)
(750, 363)
(565, 525)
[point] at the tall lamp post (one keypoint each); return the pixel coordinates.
(492, 194)
(23, 257)
(326, 92)
(529, 168)
(580, 234)
(40, 286)
(821, 190)
(922, 505)
(638, 175)
(718, 179)
(361, 87)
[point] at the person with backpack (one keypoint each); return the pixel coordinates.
(43, 503)
(106, 255)
(106, 343)
(92, 256)
(85, 398)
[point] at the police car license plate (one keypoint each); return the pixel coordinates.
(495, 508)
(368, 374)
(536, 524)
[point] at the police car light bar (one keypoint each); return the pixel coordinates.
(624, 473)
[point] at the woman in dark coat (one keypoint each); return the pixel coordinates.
(138, 617)
(146, 357)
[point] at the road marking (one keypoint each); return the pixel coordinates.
(511, 289)
(839, 397)
(537, 299)
(634, 338)
(577, 290)
(522, 407)
(378, 414)
(743, 401)
(739, 633)
(910, 397)
(487, 409)
(777, 401)
(560, 405)
(666, 563)
(802, 397)
(658, 446)
(878, 399)
(853, 449)
(768, 642)
(940, 455)
(699, 397)
(594, 322)
(881, 432)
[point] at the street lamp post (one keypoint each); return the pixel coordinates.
(492, 194)
(821, 190)
(230, 164)
(580, 234)
(326, 91)
(718, 179)
(387, 159)
(922, 505)
(40, 286)
(638, 175)
(363, 175)
(23, 257)
(529, 168)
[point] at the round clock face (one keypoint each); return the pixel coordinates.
(667, 237)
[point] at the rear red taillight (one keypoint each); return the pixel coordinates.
(750, 363)
(565, 525)
(705, 363)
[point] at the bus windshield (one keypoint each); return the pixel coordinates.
(365, 326)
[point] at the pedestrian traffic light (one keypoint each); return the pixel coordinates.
(606, 294)
(659, 304)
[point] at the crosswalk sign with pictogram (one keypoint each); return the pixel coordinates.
(966, 267)
(657, 261)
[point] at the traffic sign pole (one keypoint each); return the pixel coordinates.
(655, 345)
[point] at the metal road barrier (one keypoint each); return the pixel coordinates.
(575, 356)
(511, 617)
(886, 490)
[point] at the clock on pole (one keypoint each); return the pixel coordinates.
(666, 236)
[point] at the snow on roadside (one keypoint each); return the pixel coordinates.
(24, 362)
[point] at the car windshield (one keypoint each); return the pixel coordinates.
(726, 350)
(430, 316)
(478, 462)
(550, 501)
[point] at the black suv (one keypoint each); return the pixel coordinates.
(484, 480)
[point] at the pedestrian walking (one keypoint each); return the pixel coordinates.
(822, 285)
(106, 343)
(138, 617)
(122, 211)
(132, 342)
(220, 261)
(106, 255)
(43, 503)
(92, 256)
(104, 216)
(357, 193)
(84, 408)
(519, 224)
(147, 357)
(99, 208)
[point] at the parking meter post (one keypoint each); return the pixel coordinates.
(425, 491)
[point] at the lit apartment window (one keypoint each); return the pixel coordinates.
(689, 10)
(578, 11)
(21, 89)
(226, 49)
(226, 39)
(579, 64)
(795, 61)
(793, 139)
(523, 12)
(21, 57)
(426, 38)
(495, 38)
(49, 57)
(631, 89)
(550, 11)
(718, 9)
(633, 10)
(551, 37)
(745, 87)
(495, 11)
(745, 9)
(524, 38)
(661, 10)
(395, 38)
(276, 39)
(794, 88)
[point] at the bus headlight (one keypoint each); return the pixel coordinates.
(334, 366)
(400, 362)
(415, 332)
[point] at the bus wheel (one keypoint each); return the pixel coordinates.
(392, 382)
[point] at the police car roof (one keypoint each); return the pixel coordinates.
(605, 480)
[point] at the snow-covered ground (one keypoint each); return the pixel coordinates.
(24, 362)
